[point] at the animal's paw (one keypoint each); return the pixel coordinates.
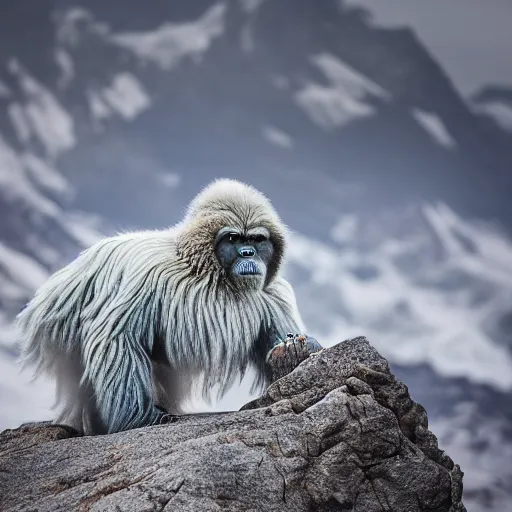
(289, 353)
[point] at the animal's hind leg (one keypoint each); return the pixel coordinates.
(119, 373)
(170, 387)
(71, 398)
(75, 398)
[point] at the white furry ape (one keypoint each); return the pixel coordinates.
(127, 326)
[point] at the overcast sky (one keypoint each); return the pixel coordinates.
(471, 38)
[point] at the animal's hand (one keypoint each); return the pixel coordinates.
(289, 353)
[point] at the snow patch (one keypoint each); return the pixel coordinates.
(280, 82)
(76, 21)
(21, 269)
(47, 119)
(247, 38)
(46, 177)
(19, 122)
(277, 137)
(172, 42)
(127, 96)
(435, 127)
(5, 92)
(491, 254)
(67, 31)
(343, 99)
(67, 67)
(85, 228)
(17, 186)
(168, 179)
(341, 74)
(246, 33)
(250, 6)
(500, 112)
(345, 229)
(99, 109)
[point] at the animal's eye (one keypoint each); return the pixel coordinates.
(234, 238)
(259, 238)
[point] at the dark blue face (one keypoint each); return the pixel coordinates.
(244, 255)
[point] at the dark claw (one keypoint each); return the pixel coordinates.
(166, 418)
(162, 417)
(288, 354)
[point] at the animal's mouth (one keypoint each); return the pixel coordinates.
(247, 268)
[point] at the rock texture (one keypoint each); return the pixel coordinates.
(339, 433)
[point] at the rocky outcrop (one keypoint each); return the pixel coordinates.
(339, 433)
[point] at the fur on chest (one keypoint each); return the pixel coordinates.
(212, 329)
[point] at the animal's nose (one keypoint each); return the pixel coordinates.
(246, 252)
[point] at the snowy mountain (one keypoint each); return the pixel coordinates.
(396, 188)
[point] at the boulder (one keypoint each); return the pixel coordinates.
(338, 433)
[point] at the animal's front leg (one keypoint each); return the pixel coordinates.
(286, 355)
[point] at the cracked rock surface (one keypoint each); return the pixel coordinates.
(339, 433)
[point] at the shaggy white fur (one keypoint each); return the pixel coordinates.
(138, 317)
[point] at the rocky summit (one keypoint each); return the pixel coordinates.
(338, 433)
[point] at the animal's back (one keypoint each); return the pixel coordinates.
(87, 292)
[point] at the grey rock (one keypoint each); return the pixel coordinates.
(338, 433)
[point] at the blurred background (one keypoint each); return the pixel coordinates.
(380, 129)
